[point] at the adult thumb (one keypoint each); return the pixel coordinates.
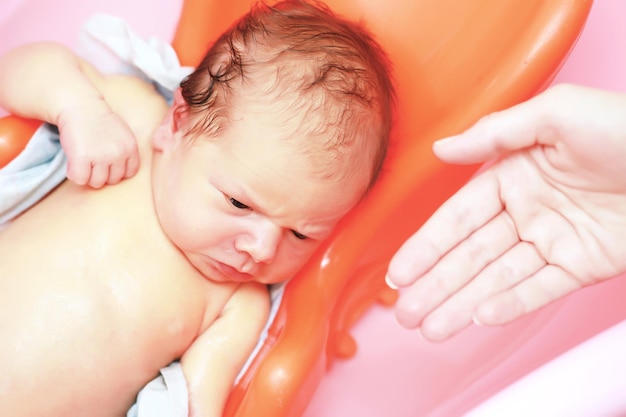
(494, 135)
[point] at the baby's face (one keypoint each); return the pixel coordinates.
(244, 206)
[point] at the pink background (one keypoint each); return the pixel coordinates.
(380, 380)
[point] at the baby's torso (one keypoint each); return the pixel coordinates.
(91, 289)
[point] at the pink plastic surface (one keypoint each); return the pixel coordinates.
(386, 378)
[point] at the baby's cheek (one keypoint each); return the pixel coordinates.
(301, 255)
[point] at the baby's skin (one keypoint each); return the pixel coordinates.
(95, 299)
(158, 246)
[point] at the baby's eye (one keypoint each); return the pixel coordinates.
(299, 235)
(238, 204)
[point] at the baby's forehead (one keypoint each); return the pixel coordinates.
(319, 117)
(336, 138)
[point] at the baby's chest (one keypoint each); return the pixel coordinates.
(96, 278)
(98, 265)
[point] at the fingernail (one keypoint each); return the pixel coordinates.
(444, 141)
(390, 284)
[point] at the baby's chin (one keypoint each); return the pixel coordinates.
(218, 272)
(266, 278)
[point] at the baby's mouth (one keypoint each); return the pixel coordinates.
(232, 273)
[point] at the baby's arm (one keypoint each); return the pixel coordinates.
(213, 361)
(47, 81)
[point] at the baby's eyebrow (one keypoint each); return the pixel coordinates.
(319, 228)
(239, 193)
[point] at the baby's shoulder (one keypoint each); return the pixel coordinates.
(136, 101)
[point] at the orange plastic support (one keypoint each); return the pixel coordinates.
(15, 133)
(455, 60)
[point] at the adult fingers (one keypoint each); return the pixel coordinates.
(548, 284)
(465, 212)
(455, 270)
(515, 265)
(496, 134)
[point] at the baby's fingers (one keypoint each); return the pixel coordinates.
(117, 172)
(548, 284)
(79, 171)
(99, 175)
(132, 165)
(126, 168)
(117, 161)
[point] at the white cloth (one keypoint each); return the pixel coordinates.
(154, 59)
(166, 395)
(38, 169)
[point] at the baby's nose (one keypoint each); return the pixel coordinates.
(264, 242)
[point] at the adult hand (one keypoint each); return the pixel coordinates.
(547, 217)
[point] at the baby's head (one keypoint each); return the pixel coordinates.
(324, 77)
(292, 106)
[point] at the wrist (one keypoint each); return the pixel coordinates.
(75, 106)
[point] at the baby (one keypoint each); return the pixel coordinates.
(278, 133)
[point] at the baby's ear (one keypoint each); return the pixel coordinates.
(164, 136)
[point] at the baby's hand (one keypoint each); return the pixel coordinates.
(100, 147)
